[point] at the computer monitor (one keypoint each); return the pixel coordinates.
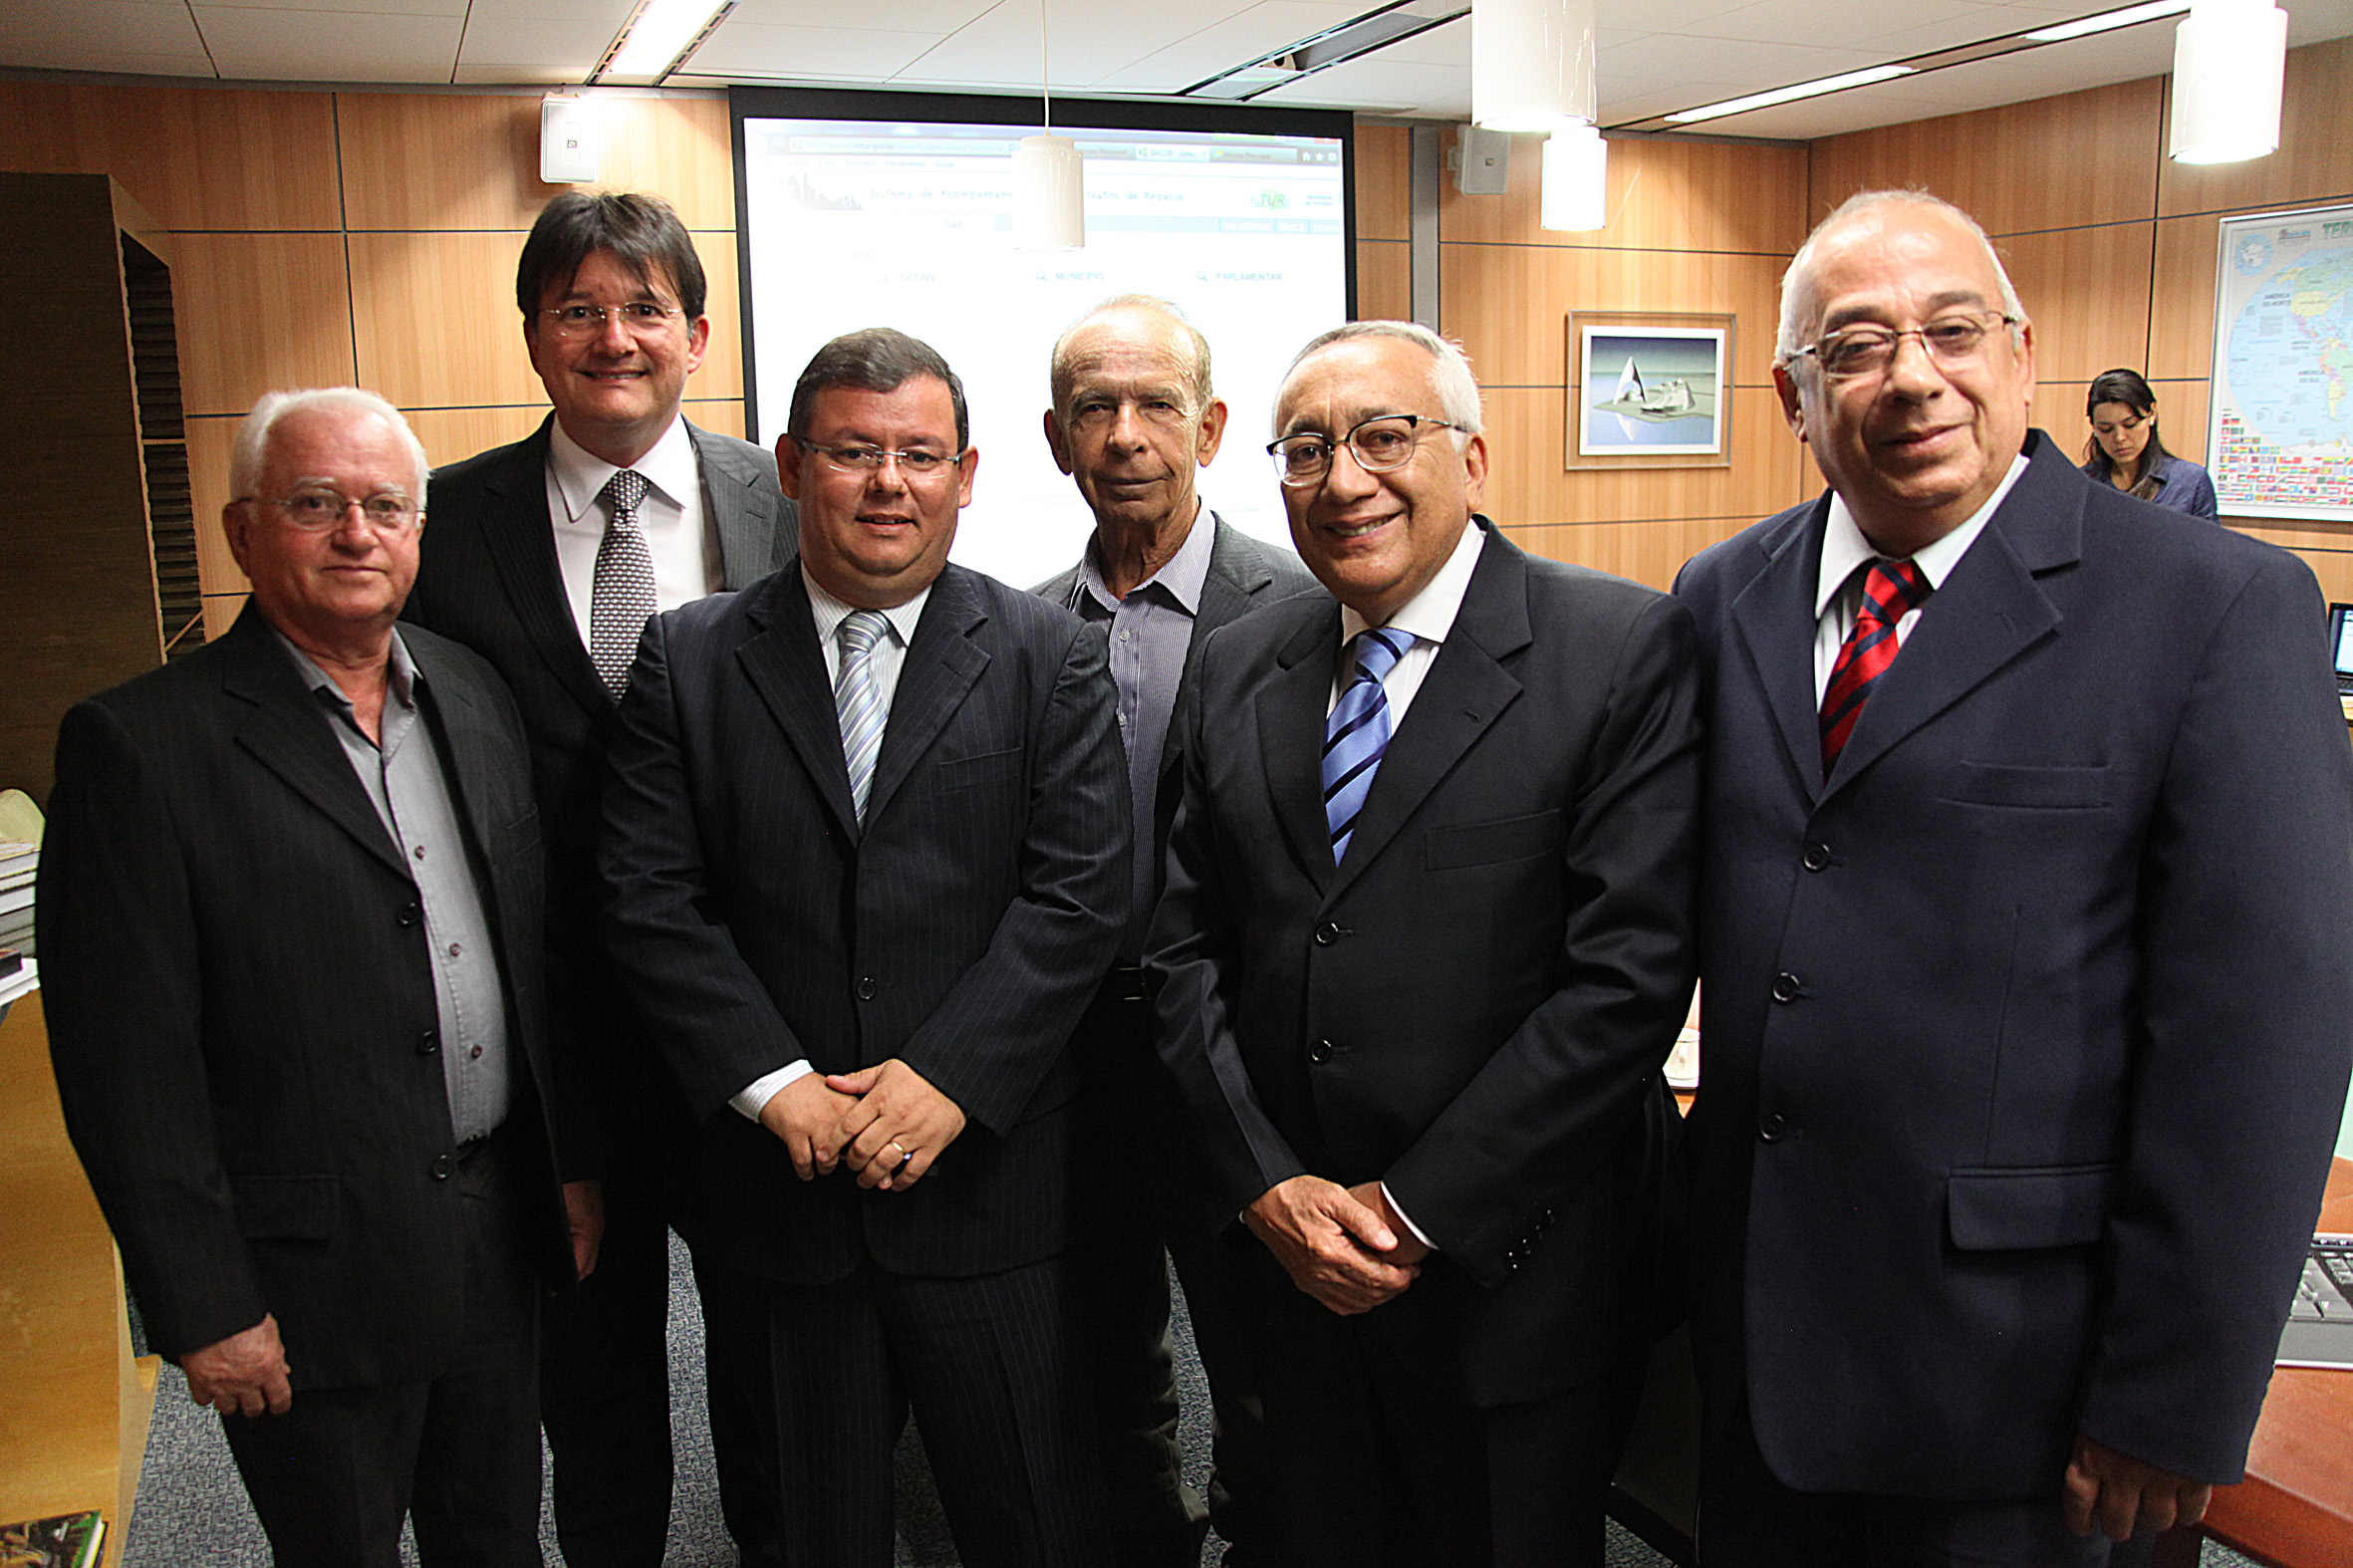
(2340, 643)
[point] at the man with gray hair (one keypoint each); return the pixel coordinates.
(1134, 420)
(290, 937)
(1423, 948)
(2029, 969)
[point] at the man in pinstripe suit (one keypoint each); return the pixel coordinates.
(867, 839)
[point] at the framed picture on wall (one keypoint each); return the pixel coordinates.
(2279, 434)
(1648, 391)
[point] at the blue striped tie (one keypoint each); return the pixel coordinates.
(858, 702)
(1358, 732)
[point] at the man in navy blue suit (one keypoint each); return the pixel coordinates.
(2027, 975)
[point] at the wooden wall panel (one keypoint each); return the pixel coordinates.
(1664, 195)
(209, 441)
(469, 161)
(1508, 304)
(2182, 408)
(2315, 158)
(1384, 182)
(449, 434)
(1647, 552)
(1383, 281)
(2182, 299)
(2328, 553)
(196, 159)
(2087, 290)
(2052, 163)
(259, 312)
(1528, 481)
(437, 328)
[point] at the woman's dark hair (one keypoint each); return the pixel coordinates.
(2127, 388)
(642, 233)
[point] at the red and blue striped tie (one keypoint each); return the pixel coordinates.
(1891, 590)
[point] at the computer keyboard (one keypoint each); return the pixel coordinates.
(2325, 1293)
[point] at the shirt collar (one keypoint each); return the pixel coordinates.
(669, 466)
(1430, 614)
(1844, 548)
(400, 682)
(1181, 577)
(831, 612)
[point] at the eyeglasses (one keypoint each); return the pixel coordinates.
(1378, 445)
(920, 463)
(1866, 350)
(316, 511)
(643, 317)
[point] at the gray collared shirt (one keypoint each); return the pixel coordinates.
(1151, 629)
(406, 781)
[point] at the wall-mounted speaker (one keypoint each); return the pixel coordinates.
(571, 143)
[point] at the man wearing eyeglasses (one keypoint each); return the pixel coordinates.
(868, 840)
(2028, 980)
(1134, 420)
(546, 558)
(290, 941)
(1424, 945)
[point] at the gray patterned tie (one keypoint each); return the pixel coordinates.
(858, 698)
(622, 599)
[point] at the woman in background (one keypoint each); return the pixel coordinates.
(2124, 449)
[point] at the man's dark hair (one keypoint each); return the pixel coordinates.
(875, 359)
(642, 233)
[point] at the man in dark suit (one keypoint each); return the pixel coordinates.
(290, 938)
(2027, 980)
(533, 563)
(1423, 952)
(867, 839)
(1134, 417)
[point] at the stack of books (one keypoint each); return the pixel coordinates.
(19, 866)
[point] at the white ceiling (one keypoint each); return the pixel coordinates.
(1653, 57)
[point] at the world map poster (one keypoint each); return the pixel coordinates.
(2280, 442)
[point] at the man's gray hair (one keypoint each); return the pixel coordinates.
(252, 448)
(1800, 275)
(1458, 388)
(1196, 373)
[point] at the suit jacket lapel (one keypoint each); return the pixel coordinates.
(1290, 714)
(942, 665)
(1465, 688)
(522, 541)
(1989, 611)
(1774, 616)
(782, 661)
(743, 514)
(460, 726)
(286, 730)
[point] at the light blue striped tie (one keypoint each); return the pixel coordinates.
(1358, 732)
(858, 698)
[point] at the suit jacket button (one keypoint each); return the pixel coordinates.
(444, 1163)
(1817, 857)
(1326, 935)
(1786, 987)
(1320, 1052)
(409, 915)
(865, 988)
(1772, 1126)
(429, 1042)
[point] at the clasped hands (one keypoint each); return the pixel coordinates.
(1344, 1245)
(886, 1123)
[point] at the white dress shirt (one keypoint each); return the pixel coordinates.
(887, 657)
(1838, 590)
(677, 526)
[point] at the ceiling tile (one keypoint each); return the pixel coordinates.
(95, 33)
(1371, 81)
(906, 16)
(1005, 46)
(759, 49)
(250, 43)
(1241, 38)
(1754, 65)
(573, 47)
(609, 12)
(358, 8)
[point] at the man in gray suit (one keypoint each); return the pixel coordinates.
(290, 928)
(1135, 418)
(546, 557)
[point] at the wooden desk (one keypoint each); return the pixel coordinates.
(74, 1404)
(2296, 1507)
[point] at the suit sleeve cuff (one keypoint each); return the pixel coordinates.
(753, 1097)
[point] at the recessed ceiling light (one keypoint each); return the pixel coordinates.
(2084, 27)
(657, 37)
(1785, 95)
